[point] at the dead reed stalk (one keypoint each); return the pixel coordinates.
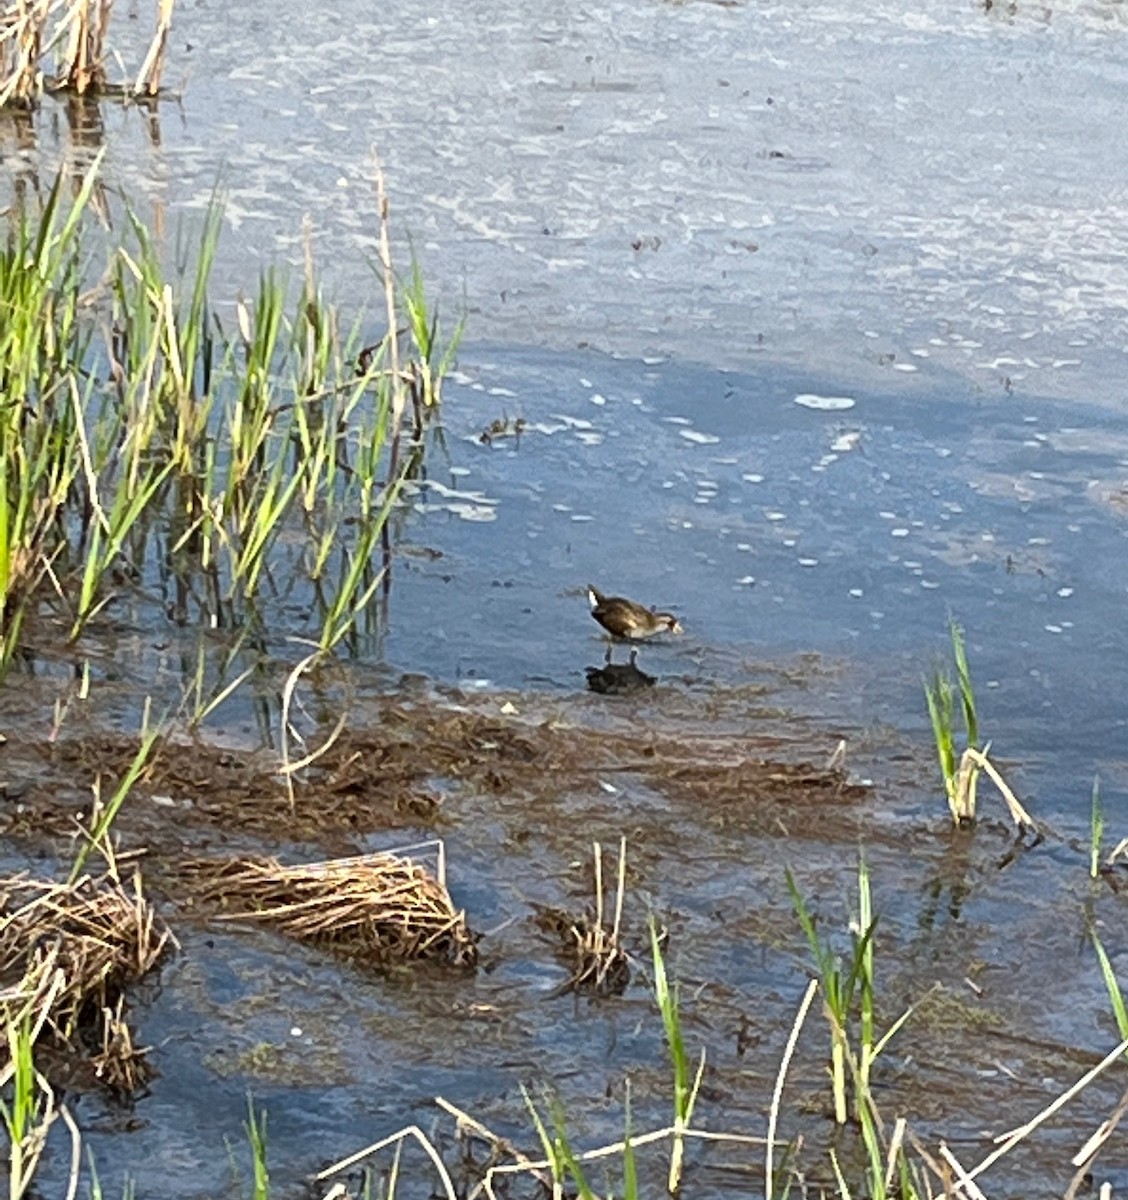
(148, 81)
(593, 949)
(78, 32)
(83, 63)
(22, 26)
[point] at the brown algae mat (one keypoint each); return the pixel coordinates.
(220, 829)
(404, 765)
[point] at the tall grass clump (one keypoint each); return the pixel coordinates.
(434, 359)
(44, 345)
(144, 447)
(565, 1165)
(30, 1107)
(25, 1120)
(255, 1127)
(847, 982)
(254, 1131)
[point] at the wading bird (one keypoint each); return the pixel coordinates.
(625, 619)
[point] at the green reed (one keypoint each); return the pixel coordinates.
(1096, 829)
(43, 345)
(141, 437)
(432, 359)
(23, 1115)
(960, 773)
(104, 815)
(687, 1082)
(255, 1129)
(848, 983)
(128, 1192)
(565, 1164)
(1112, 985)
(839, 986)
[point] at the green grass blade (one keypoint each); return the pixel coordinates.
(1112, 986)
(630, 1165)
(963, 676)
(1096, 829)
(105, 820)
(255, 1128)
(940, 698)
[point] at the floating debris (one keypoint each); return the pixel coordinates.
(502, 427)
(591, 948)
(825, 403)
(68, 952)
(381, 907)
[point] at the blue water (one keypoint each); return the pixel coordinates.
(773, 528)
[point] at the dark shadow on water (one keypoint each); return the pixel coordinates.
(618, 679)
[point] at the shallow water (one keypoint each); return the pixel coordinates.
(774, 527)
(816, 319)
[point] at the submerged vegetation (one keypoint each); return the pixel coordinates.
(361, 908)
(894, 1162)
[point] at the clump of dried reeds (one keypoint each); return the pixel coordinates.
(68, 951)
(384, 907)
(77, 31)
(592, 949)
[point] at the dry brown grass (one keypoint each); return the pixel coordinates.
(75, 33)
(591, 948)
(68, 952)
(380, 907)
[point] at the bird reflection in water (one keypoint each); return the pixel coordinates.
(618, 679)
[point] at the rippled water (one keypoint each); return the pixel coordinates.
(863, 189)
(921, 211)
(772, 524)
